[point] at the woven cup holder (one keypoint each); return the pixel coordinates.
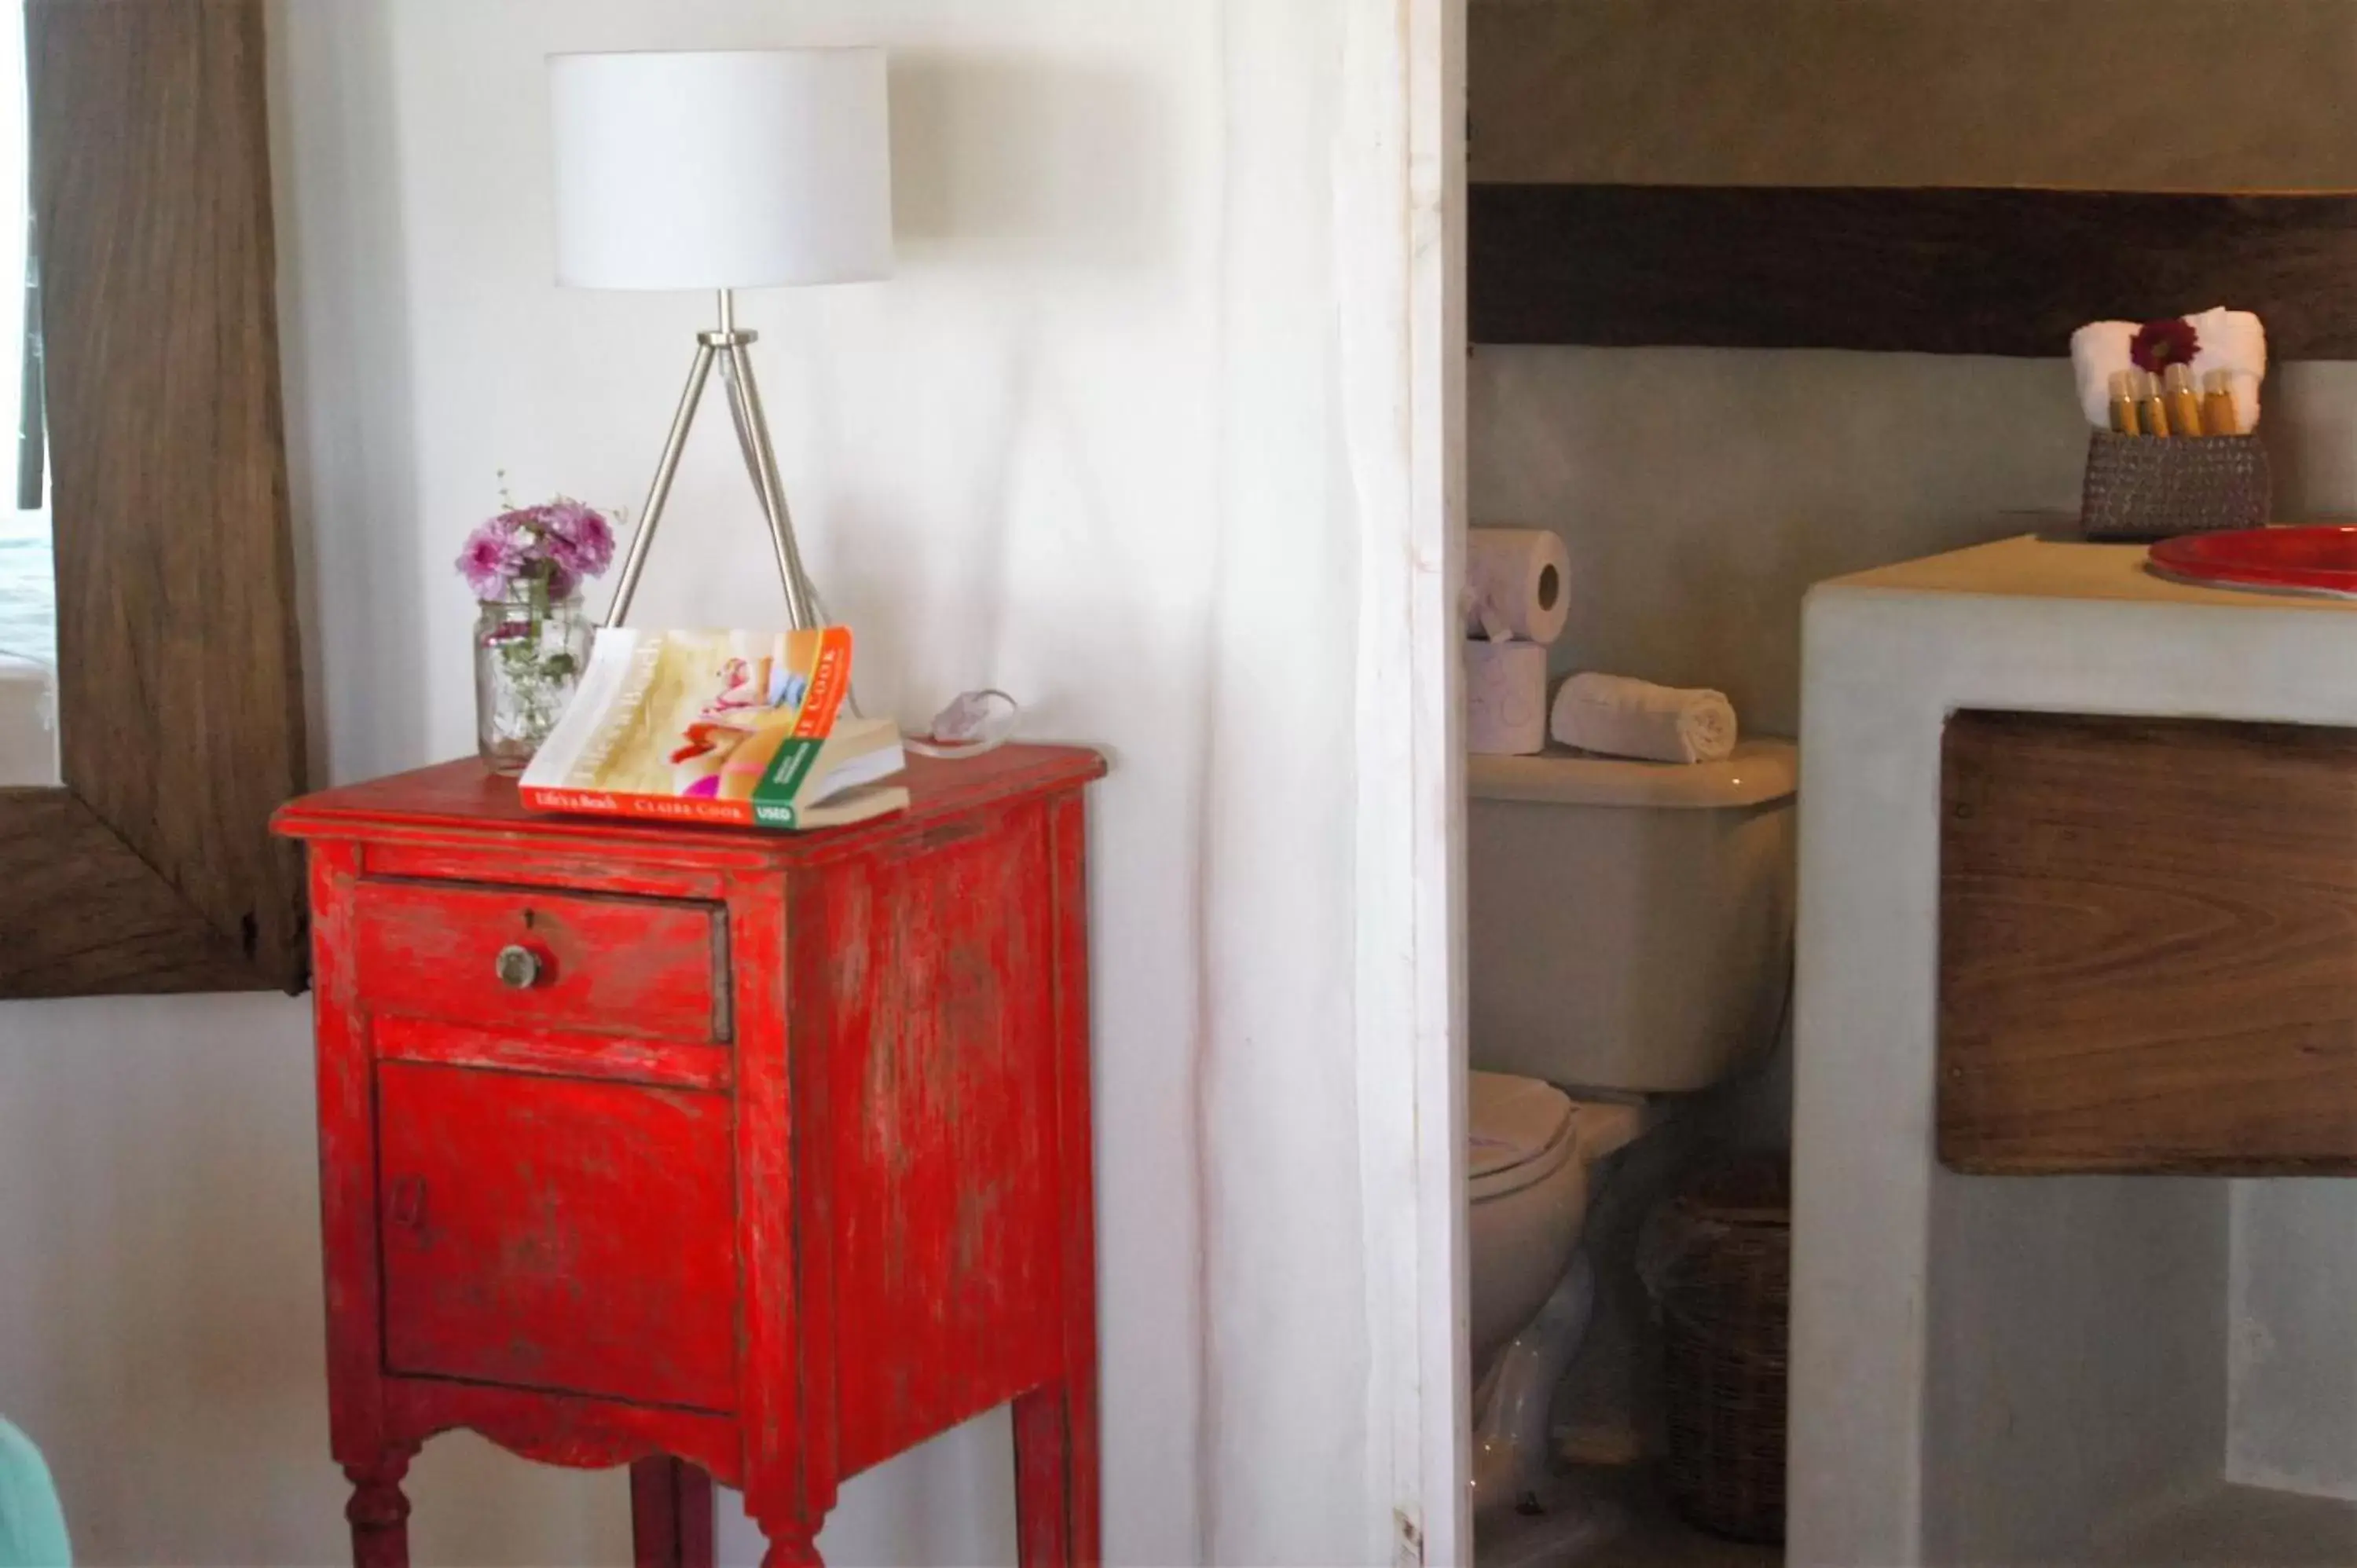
(2142, 488)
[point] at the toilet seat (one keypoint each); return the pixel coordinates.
(1518, 1131)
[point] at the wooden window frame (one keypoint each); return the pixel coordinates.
(180, 691)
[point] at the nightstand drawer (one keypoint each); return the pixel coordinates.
(646, 968)
(545, 1233)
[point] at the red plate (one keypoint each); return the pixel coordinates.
(2310, 560)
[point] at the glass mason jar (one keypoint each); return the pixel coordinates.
(528, 655)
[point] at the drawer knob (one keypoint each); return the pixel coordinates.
(518, 967)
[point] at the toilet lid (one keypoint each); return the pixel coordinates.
(1510, 1121)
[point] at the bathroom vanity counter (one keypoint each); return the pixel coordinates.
(2047, 570)
(2079, 867)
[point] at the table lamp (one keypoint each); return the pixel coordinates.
(721, 171)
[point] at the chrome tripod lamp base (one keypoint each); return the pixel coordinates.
(729, 347)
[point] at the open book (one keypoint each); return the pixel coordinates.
(719, 726)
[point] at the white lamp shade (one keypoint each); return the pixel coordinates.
(739, 169)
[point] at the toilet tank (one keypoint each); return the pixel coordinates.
(1630, 923)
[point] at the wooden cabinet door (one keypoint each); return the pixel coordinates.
(558, 1234)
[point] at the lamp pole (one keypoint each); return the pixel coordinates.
(731, 348)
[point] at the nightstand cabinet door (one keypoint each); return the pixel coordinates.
(558, 1234)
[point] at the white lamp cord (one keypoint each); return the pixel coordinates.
(977, 722)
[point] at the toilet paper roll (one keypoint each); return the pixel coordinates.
(1505, 698)
(1517, 584)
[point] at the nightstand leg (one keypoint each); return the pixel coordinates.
(795, 1546)
(670, 1514)
(379, 1513)
(1056, 1425)
(1056, 1476)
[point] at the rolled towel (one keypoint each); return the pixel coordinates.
(1624, 718)
(2234, 341)
(2097, 349)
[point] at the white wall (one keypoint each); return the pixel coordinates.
(1090, 445)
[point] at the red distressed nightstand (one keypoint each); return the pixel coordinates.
(724, 1154)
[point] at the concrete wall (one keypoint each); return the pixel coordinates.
(1701, 491)
(2072, 1370)
(2291, 1419)
(2098, 93)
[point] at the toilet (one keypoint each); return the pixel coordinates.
(1630, 933)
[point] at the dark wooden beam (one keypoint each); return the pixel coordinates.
(2008, 272)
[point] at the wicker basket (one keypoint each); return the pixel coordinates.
(1719, 1264)
(2143, 488)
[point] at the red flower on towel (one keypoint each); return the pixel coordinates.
(2159, 343)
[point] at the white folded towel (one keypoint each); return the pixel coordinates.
(1624, 718)
(2234, 341)
(2097, 349)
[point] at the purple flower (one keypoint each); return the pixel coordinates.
(577, 538)
(491, 560)
(556, 546)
